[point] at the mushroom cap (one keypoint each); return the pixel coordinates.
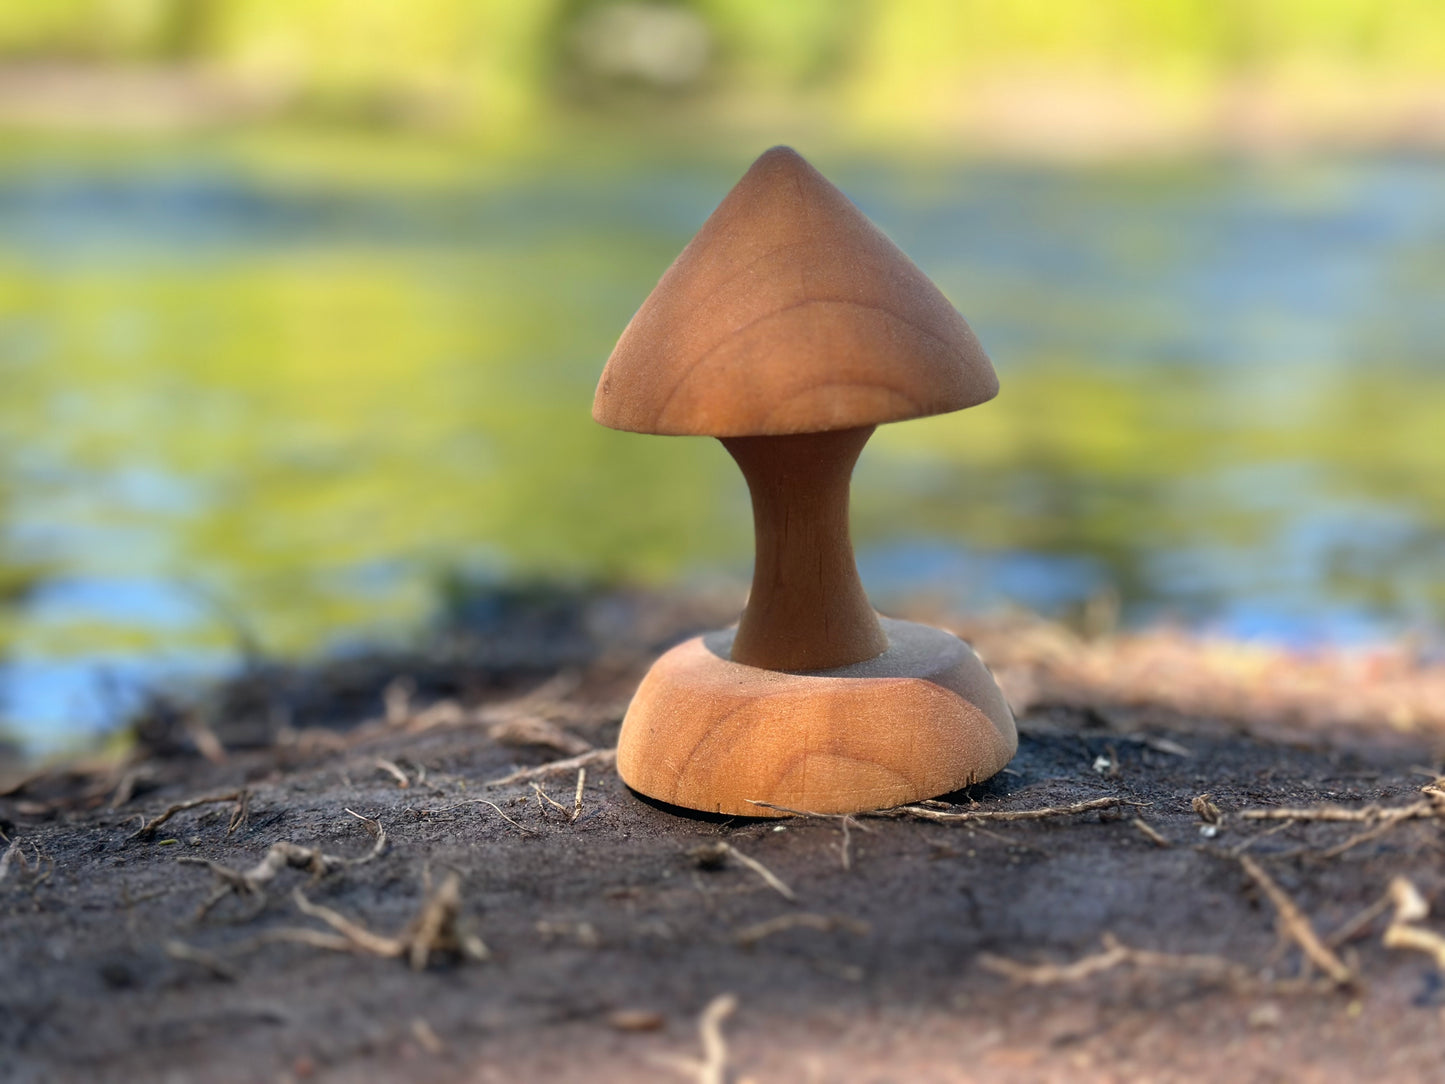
(790, 312)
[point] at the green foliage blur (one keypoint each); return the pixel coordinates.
(500, 68)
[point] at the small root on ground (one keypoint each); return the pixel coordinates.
(584, 760)
(958, 817)
(11, 853)
(1292, 922)
(1355, 926)
(713, 855)
(1149, 832)
(435, 929)
(544, 800)
(749, 936)
(570, 813)
(479, 801)
(526, 720)
(1432, 805)
(1403, 931)
(218, 968)
(283, 855)
(846, 821)
(939, 811)
(393, 769)
(238, 815)
(1209, 813)
(1381, 820)
(713, 1067)
(15, 856)
(533, 730)
(1297, 927)
(1114, 955)
(426, 1035)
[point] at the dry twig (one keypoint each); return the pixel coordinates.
(241, 814)
(148, 828)
(544, 797)
(356, 936)
(926, 813)
(480, 801)
(636, 1020)
(12, 852)
(1366, 836)
(130, 777)
(179, 950)
(1368, 814)
(1159, 745)
(1252, 840)
(713, 1068)
(714, 1048)
(1403, 933)
(283, 855)
(434, 929)
(545, 699)
(1432, 805)
(426, 1035)
(205, 740)
(577, 798)
(751, 935)
(1297, 927)
(523, 730)
(938, 811)
(584, 933)
(1352, 928)
(1149, 832)
(1205, 809)
(393, 769)
(1380, 819)
(846, 821)
(15, 856)
(712, 855)
(584, 760)
(1115, 955)
(523, 720)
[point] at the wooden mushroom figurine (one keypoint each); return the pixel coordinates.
(790, 327)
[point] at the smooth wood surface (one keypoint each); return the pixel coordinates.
(807, 609)
(923, 719)
(789, 327)
(790, 312)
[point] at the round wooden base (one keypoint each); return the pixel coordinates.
(922, 719)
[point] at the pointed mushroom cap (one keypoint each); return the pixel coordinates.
(790, 312)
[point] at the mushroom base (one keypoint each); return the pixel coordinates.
(922, 719)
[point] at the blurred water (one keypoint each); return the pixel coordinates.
(241, 414)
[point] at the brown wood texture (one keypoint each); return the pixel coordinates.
(708, 733)
(790, 312)
(807, 609)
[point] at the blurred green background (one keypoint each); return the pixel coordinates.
(302, 303)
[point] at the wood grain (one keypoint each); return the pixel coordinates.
(923, 719)
(790, 312)
(807, 609)
(789, 327)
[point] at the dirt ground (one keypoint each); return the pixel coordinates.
(606, 938)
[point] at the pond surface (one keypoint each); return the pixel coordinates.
(245, 413)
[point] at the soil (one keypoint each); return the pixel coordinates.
(610, 932)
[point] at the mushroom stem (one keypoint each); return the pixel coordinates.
(807, 609)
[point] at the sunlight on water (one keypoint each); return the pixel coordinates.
(238, 414)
